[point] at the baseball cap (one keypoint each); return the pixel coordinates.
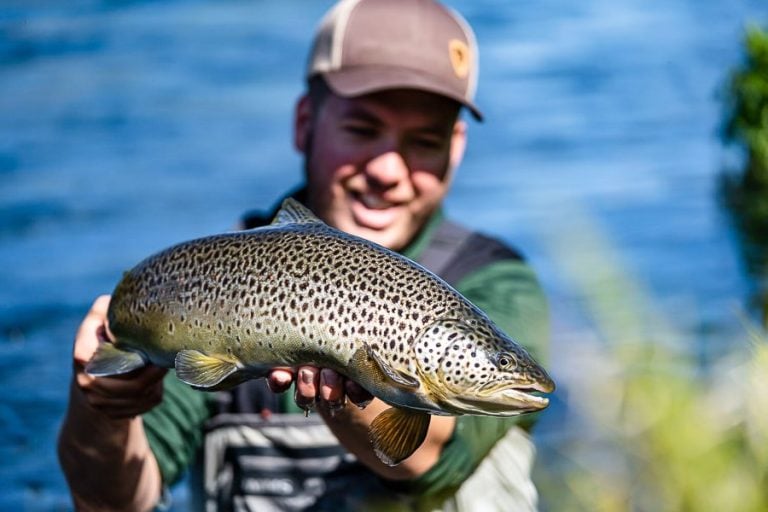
(365, 46)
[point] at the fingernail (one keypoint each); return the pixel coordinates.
(336, 406)
(306, 377)
(363, 404)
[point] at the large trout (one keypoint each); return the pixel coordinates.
(229, 307)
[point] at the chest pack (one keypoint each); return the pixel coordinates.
(259, 458)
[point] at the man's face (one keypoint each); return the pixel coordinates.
(378, 165)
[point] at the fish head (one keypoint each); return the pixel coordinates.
(471, 367)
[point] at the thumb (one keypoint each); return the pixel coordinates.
(91, 330)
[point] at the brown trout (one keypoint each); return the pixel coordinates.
(229, 307)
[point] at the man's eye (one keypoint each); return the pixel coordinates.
(360, 131)
(429, 143)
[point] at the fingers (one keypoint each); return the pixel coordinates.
(136, 383)
(307, 386)
(315, 384)
(123, 396)
(357, 394)
(280, 379)
(126, 407)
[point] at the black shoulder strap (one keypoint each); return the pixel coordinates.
(454, 251)
(447, 240)
(255, 219)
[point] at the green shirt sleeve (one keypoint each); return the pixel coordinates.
(511, 296)
(175, 427)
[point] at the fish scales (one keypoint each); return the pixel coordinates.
(229, 307)
(244, 293)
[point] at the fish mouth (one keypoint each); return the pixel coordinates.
(503, 402)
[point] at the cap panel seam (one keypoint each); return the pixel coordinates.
(340, 31)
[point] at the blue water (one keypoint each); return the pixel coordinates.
(126, 126)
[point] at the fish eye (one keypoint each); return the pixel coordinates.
(506, 361)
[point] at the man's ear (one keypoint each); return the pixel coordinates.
(302, 124)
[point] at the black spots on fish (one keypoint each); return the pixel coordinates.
(170, 328)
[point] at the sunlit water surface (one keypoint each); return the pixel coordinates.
(126, 126)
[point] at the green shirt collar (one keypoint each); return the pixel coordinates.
(420, 242)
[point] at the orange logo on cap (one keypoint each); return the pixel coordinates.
(458, 51)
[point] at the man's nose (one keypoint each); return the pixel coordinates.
(387, 169)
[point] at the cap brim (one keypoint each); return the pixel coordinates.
(364, 80)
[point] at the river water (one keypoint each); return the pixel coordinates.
(126, 126)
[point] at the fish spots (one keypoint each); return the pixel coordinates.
(299, 282)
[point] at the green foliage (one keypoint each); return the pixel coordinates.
(748, 119)
(745, 193)
(651, 430)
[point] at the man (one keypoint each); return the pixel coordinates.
(380, 132)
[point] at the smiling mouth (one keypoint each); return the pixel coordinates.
(372, 201)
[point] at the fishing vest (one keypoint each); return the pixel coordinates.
(258, 459)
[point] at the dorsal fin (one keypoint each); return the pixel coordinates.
(293, 212)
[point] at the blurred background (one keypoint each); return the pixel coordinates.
(621, 152)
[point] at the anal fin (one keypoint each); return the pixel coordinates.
(203, 371)
(111, 360)
(397, 433)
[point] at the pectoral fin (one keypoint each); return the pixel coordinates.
(203, 371)
(397, 433)
(375, 366)
(111, 360)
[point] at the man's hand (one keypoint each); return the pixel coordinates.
(318, 384)
(103, 450)
(118, 397)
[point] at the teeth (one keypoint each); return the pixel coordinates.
(374, 202)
